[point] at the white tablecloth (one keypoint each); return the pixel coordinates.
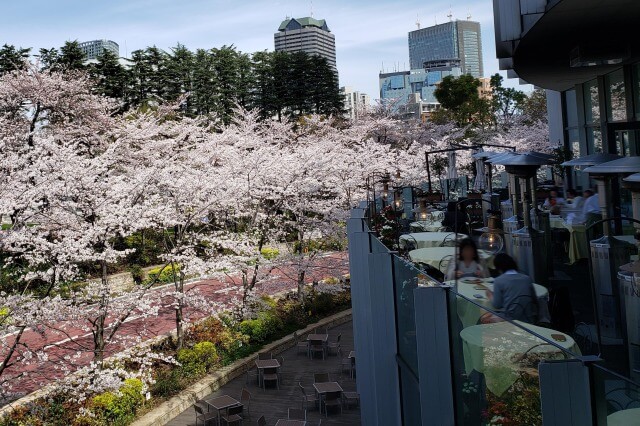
(629, 417)
(470, 314)
(425, 226)
(430, 239)
(434, 255)
(498, 350)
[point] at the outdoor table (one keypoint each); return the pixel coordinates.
(285, 422)
(222, 403)
(494, 350)
(430, 239)
(326, 387)
(425, 226)
(470, 314)
(261, 364)
(629, 417)
(317, 338)
(433, 255)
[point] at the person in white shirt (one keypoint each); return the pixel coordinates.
(468, 263)
(573, 199)
(591, 208)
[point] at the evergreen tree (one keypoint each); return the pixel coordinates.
(112, 79)
(12, 58)
(178, 74)
(71, 56)
(49, 58)
(226, 79)
(263, 92)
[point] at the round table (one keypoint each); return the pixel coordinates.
(425, 226)
(470, 314)
(629, 417)
(497, 350)
(430, 239)
(433, 256)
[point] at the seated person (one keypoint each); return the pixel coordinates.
(553, 199)
(591, 207)
(573, 199)
(452, 221)
(468, 263)
(555, 211)
(513, 293)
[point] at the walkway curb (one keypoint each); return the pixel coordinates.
(170, 409)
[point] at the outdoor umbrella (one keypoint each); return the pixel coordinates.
(480, 182)
(452, 173)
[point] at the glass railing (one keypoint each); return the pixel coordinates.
(617, 399)
(406, 279)
(495, 362)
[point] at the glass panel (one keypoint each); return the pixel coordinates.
(405, 280)
(571, 106)
(496, 364)
(622, 143)
(617, 399)
(411, 413)
(594, 140)
(616, 100)
(591, 102)
(636, 88)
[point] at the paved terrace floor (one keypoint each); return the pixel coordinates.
(273, 403)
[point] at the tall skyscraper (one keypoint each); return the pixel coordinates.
(452, 44)
(93, 49)
(355, 103)
(306, 35)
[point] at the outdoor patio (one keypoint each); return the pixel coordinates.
(297, 367)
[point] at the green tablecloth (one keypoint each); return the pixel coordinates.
(496, 350)
(470, 314)
(430, 239)
(433, 256)
(630, 417)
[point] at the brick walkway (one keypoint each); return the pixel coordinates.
(273, 403)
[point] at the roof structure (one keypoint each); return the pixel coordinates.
(298, 23)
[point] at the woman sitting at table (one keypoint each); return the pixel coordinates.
(468, 263)
(513, 293)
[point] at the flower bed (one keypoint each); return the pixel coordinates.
(137, 382)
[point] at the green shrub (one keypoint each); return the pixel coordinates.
(119, 408)
(270, 253)
(199, 360)
(168, 382)
(162, 275)
(137, 274)
(265, 326)
(321, 304)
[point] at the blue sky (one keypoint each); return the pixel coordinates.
(368, 33)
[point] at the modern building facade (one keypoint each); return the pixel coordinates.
(585, 54)
(398, 85)
(93, 49)
(306, 35)
(452, 44)
(355, 103)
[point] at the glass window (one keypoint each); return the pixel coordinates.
(591, 102)
(616, 99)
(571, 106)
(594, 140)
(636, 88)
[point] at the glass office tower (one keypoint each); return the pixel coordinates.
(453, 44)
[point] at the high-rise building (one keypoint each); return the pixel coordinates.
(452, 44)
(306, 35)
(354, 102)
(93, 49)
(398, 85)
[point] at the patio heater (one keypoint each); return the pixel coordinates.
(489, 196)
(527, 242)
(629, 282)
(511, 214)
(608, 254)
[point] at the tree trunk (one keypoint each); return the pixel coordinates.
(98, 332)
(179, 314)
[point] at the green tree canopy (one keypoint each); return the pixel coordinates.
(12, 58)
